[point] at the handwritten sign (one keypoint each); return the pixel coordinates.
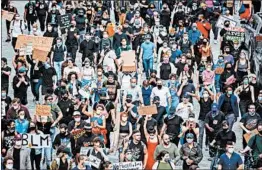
(43, 110)
(129, 60)
(147, 110)
(40, 55)
(42, 43)
(248, 136)
(3, 111)
(94, 161)
(36, 141)
(64, 21)
(128, 165)
(85, 150)
(9, 16)
(236, 33)
(222, 19)
(77, 133)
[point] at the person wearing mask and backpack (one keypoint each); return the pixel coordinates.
(30, 14)
(17, 27)
(42, 11)
(10, 8)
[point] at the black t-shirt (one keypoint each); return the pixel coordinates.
(16, 156)
(180, 67)
(137, 150)
(191, 131)
(112, 89)
(250, 122)
(173, 124)
(226, 106)
(259, 108)
(223, 137)
(30, 7)
(42, 9)
(187, 88)
(67, 107)
(4, 77)
(215, 122)
(165, 71)
(85, 141)
(205, 107)
(45, 128)
(47, 76)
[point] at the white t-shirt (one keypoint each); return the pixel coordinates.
(163, 94)
(182, 110)
(108, 62)
(67, 70)
(16, 29)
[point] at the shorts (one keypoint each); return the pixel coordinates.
(47, 90)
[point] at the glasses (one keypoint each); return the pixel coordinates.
(189, 138)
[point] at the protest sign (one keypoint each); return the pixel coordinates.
(29, 49)
(129, 60)
(36, 141)
(222, 19)
(77, 133)
(147, 110)
(40, 55)
(42, 43)
(128, 165)
(3, 105)
(64, 21)
(85, 150)
(248, 136)
(43, 110)
(94, 161)
(236, 33)
(9, 16)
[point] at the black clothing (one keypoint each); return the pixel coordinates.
(16, 157)
(205, 107)
(223, 137)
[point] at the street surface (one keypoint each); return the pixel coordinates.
(8, 52)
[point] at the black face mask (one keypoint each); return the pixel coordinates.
(88, 133)
(31, 128)
(225, 130)
(159, 86)
(128, 100)
(260, 132)
(157, 104)
(65, 98)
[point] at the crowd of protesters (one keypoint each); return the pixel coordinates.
(87, 89)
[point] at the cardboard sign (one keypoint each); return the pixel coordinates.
(236, 33)
(29, 49)
(77, 133)
(248, 136)
(258, 38)
(129, 60)
(222, 19)
(9, 16)
(94, 161)
(43, 110)
(128, 165)
(85, 150)
(147, 110)
(36, 141)
(40, 55)
(42, 43)
(64, 21)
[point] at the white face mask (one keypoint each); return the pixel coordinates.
(205, 95)
(18, 143)
(77, 119)
(189, 140)
(22, 117)
(9, 166)
(230, 150)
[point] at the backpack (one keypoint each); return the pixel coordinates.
(21, 21)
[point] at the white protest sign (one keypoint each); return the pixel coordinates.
(84, 150)
(36, 141)
(3, 105)
(94, 161)
(128, 165)
(222, 19)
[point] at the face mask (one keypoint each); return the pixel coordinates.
(22, 117)
(17, 18)
(194, 28)
(230, 92)
(205, 95)
(228, 68)
(157, 104)
(32, 128)
(230, 150)
(260, 132)
(49, 28)
(128, 100)
(133, 84)
(88, 133)
(146, 30)
(131, 9)
(226, 25)
(159, 86)
(99, 73)
(59, 44)
(189, 140)
(3, 95)
(252, 113)
(129, 157)
(166, 159)
(98, 112)
(124, 119)
(245, 82)
(77, 119)
(225, 130)
(53, 9)
(259, 98)
(220, 60)
(65, 98)
(12, 129)
(9, 166)
(18, 143)
(166, 60)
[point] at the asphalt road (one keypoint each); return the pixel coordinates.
(7, 51)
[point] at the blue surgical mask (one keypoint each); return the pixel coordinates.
(47, 65)
(3, 95)
(230, 92)
(260, 98)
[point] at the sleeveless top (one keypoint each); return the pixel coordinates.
(124, 129)
(245, 94)
(162, 165)
(242, 67)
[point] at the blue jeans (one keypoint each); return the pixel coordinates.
(47, 155)
(201, 124)
(58, 69)
(231, 120)
(148, 66)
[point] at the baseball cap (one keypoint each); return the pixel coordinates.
(76, 113)
(186, 96)
(214, 107)
(129, 96)
(190, 135)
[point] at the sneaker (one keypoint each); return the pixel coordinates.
(7, 40)
(215, 41)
